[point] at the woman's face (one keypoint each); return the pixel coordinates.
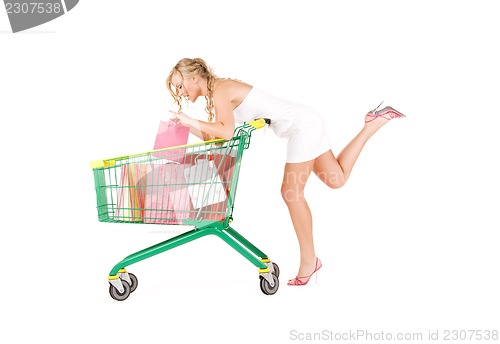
(187, 88)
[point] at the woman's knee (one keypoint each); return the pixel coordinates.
(292, 193)
(336, 183)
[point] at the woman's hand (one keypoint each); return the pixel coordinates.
(181, 118)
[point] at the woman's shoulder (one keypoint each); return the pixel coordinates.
(231, 88)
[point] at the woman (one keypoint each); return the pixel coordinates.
(308, 150)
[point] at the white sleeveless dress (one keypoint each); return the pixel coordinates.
(301, 125)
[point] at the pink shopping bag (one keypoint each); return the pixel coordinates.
(166, 198)
(171, 134)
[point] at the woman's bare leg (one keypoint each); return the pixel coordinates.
(294, 180)
(334, 172)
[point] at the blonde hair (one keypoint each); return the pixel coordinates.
(188, 68)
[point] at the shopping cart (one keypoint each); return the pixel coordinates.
(193, 185)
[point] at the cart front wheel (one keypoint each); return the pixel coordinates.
(115, 293)
(265, 286)
(134, 281)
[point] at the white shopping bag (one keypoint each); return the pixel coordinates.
(204, 184)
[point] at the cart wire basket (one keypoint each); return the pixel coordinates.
(193, 184)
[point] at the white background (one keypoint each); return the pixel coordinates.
(409, 244)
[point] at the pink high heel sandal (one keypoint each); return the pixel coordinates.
(387, 113)
(299, 281)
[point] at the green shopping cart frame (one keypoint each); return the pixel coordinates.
(193, 184)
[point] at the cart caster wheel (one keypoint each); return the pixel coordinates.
(134, 281)
(276, 269)
(115, 294)
(266, 287)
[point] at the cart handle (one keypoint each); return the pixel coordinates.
(259, 123)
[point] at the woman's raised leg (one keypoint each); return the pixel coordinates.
(334, 172)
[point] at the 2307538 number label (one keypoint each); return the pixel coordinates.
(33, 7)
(468, 335)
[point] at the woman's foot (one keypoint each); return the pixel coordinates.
(385, 114)
(303, 280)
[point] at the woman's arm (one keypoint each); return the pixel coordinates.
(204, 130)
(223, 127)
